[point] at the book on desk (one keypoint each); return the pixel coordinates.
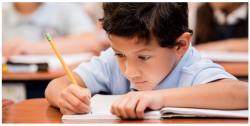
(223, 56)
(101, 105)
(34, 63)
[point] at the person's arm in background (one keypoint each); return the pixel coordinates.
(77, 35)
(233, 44)
(86, 42)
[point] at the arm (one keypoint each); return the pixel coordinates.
(86, 42)
(221, 94)
(68, 97)
(233, 44)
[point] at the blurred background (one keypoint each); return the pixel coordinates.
(29, 63)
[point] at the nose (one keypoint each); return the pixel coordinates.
(132, 69)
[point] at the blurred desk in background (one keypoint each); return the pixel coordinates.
(238, 69)
(6, 103)
(36, 76)
(234, 68)
(21, 86)
(36, 83)
(40, 111)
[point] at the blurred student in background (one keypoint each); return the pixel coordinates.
(24, 26)
(222, 27)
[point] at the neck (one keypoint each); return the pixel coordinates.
(26, 8)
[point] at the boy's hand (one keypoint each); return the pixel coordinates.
(133, 104)
(74, 100)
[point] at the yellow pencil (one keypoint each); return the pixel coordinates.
(61, 59)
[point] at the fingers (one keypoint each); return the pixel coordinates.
(67, 108)
(125, 106)
(131, 106)
(119, 105)
(65, 111)
(83, 94)
(12, 47)
(77, 103)
(141, 106)
(74, 100)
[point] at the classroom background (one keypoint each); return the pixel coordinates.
(29, 63)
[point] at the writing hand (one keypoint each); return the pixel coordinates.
(74, 100)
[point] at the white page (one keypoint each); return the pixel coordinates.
(223, 56)
(52, 60)
(208, 112)
(100, 105)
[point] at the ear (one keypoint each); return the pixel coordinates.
(184, 43)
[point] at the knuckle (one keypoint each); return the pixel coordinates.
(63, 94)
(119, 108)
(60, 102)
(78, 104)
(128, 108)
(84, 96)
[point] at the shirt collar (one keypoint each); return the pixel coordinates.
(172, 79)
(233, 17)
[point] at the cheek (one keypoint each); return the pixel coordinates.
(122, 65)
(160, 68)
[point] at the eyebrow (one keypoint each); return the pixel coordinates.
(145, 49)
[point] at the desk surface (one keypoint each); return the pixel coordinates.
(236, 69)
(40, 111)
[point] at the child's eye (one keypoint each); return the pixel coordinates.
(119, 55)
(143, 58)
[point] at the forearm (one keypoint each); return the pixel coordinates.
(84, 43)
(54, 89)
(237, 44)
(224, 94)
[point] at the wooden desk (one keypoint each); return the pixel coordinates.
(38, 75)
(236, 69)
(40, 111)
(6, 103)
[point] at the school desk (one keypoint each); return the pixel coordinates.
(234, 68)
(6, 103)
(40, 111)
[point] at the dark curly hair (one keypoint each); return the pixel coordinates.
(165, 21)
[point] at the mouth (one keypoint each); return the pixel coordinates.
(138, 82)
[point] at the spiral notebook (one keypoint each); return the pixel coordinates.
(101, 105)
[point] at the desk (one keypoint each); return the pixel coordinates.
(40, 111)
(6, 103)
(236, 69)
(37, 76)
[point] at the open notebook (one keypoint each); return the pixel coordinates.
(101, 105)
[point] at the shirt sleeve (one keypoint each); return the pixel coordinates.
(78, 21)
(211, 74)
(98, 73)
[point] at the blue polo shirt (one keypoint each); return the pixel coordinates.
(57, 19)
(102, 74)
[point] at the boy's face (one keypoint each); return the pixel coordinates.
(143, 65)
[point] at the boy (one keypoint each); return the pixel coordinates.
(155, 66)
